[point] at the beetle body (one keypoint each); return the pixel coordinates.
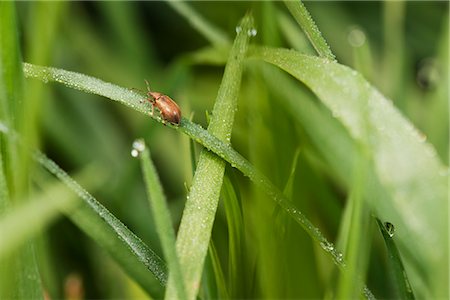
(168, 108)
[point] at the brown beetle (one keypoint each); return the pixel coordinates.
(169, 109)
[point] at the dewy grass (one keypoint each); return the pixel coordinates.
(406, 189)
(398, 271)
(121, 233)
(302, 16)
(161, 215)
(201, 205)
(196, 132)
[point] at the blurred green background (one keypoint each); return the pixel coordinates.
(400, 47)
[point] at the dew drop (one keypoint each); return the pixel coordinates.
(138, 147)
(390, 229)
(134, 153)
(238, 29)
(252, 32)
(422, 137)
(339, 257)
(327, 246)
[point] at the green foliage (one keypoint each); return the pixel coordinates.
(293, 139)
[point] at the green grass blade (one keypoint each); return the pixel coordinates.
(11, 80)
(357, 236)
(303, 18)
(218, 272)
(400, 278)
(294, 35)
(418, 188)
(93, 218)
(198, 216)
(162, 217)
(213, 34)
(19, 276)
(235, 238)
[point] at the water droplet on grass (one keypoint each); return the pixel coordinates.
(238, 29)
(252, 32)
(390, 229)
(327, 246)
(138, 147)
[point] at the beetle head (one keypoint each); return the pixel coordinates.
(155, 95)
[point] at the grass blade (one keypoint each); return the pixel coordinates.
(107, 230)
(303, 18)
(357, 237)
(161, 215)
(400, 278)
(198, 216)
(19, 276)
(213, 34)
(418, 189)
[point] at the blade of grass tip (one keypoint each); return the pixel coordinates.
(198, 216)
(161, 215)
(213, 34)
(402, 285)
(303, 18)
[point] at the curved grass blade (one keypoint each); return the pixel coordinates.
(412, 177)
(108, 231)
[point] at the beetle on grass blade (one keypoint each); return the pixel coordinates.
(169, 109)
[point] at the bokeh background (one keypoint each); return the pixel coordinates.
(400, 47)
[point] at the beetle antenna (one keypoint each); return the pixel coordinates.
(148, 85)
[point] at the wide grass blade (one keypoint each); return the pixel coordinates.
(411, 175)
(198, 216)
(19, 276)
